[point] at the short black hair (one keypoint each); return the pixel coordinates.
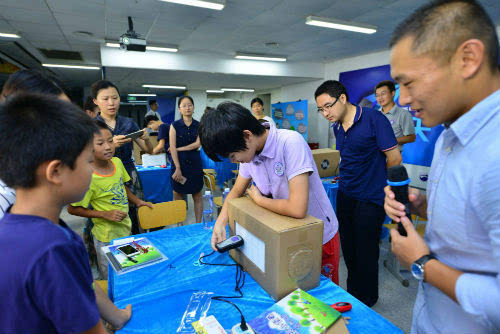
(184, 97)
(148, 119)
(221, 129)
(151, 102)
(101, 84)
(386, 83)
(34, 129)
(89, 103)
(101, 125)
(31, 81)
(439, 27)
(258, 100)
(333, 88)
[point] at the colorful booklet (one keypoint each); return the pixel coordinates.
(297, 313)
(131, 254)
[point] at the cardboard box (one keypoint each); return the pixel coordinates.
(327, 161)
(280, 253)
(138, 152)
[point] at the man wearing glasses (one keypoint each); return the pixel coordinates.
(367, 148)
(400, 119)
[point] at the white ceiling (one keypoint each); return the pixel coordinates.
(243, 26)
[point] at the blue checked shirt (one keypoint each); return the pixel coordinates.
(464, 224)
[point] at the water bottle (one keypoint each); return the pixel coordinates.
(224, 195)
(208, 211)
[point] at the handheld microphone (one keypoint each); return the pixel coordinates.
(398, 180)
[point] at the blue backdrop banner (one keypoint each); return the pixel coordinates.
(291, 116)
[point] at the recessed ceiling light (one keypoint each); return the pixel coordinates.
(113, 45)
(341, 25)
(81, 67)
(215, 91)
(258, 57)
(141, 94)
(211, 4)
(238, 90)
(7, 35)
(162, 86)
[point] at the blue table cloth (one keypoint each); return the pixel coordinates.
(223, 169)
(156, 183)
(160, 293)
(331, 189)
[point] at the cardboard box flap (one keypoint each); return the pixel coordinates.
(274, 221)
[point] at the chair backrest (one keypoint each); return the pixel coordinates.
(162, 214)
(209, 181)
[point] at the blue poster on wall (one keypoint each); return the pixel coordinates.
(291, 116)
(360, 86)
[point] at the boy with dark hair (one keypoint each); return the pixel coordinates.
(281, 167)
(108, 195)
(46, 156)
(367, 147)
(401, 120)
(90, 107)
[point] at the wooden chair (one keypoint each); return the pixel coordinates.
(209, 179)
(103, 284)
(162, 214)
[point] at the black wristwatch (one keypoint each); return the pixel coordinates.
(417, 268)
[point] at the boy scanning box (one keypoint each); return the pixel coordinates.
(280, 165)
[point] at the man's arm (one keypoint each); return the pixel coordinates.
(296, 204)
(406, 139)
(160, 147)
(393, 157)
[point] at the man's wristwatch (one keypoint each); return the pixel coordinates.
(417, 268)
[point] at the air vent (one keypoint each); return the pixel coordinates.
(61, 54)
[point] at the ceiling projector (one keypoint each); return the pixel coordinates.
(131, 41)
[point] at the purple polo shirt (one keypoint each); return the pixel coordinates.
(46, 281)
(286, 155)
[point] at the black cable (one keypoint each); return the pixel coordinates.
(239, 278)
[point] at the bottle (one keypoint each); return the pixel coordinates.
(224, 195)
(208, 211)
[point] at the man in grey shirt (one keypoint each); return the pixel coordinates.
(448, 73)
(401, 119)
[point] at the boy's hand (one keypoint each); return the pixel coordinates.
(114, 215)
(254, 193)
(142, 203)
(119, 140)
(125, 315)
(218, 234)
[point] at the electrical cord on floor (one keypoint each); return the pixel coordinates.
(240, 282)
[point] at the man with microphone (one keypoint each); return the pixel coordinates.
(448, 73)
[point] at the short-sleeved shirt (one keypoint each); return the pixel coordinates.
(124, 126)
(401, 121)
(46, 281)
(106, 193)
(7, 198)
(163, 133)
(363, 171)
(151, 112)
(286, 155)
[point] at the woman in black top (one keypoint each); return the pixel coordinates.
(184, 145)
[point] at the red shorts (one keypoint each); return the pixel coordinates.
(330, 259)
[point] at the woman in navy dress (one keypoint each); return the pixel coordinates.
(184, 145)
